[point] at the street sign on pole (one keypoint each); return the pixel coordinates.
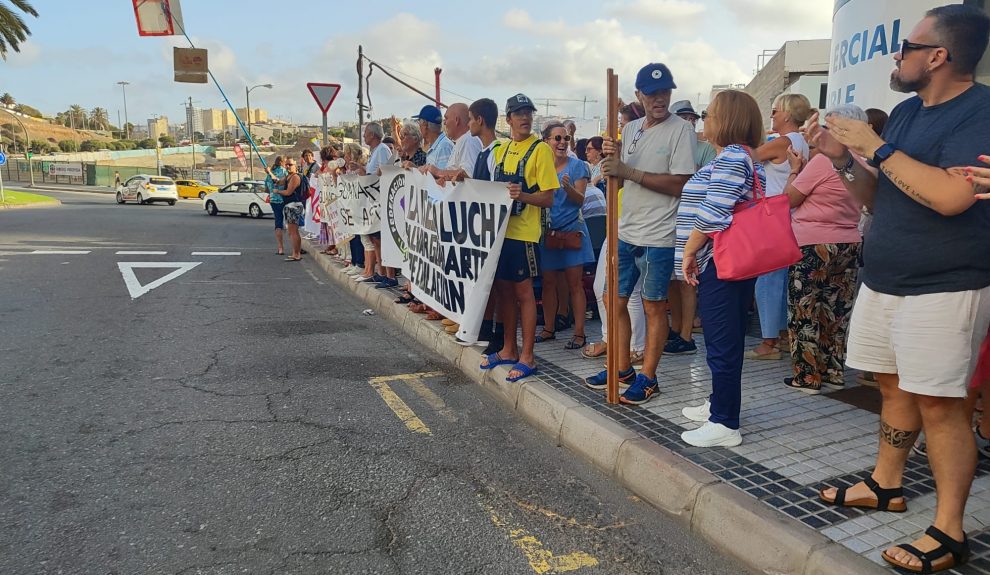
(3, 158)
(324, 94)
(239, 152)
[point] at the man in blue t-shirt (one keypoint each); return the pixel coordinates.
(925, 304)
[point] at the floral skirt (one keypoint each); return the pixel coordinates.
(821, 291)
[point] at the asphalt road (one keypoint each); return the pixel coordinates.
(242, 418)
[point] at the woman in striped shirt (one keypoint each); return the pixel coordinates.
(734, 126)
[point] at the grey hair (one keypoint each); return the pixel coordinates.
(411, 130)
(436, 128)
(848, 111)
(376, 130)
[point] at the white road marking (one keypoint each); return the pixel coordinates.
(312, 275)
(216, 253)
(61, 252)
(139, 253)
(134, 286)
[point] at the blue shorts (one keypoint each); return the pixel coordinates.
(655, 264)
(279, 220)
(519, 261)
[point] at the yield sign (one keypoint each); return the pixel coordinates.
(324, 94)
(134, 286)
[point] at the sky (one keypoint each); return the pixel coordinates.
(548, 49)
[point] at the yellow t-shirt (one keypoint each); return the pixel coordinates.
(540, 174)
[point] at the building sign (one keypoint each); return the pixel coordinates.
(191, 65)
(71, 169)
(866, 34)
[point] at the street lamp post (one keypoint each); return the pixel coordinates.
(27, 137)
(247, 97)
(123, 91)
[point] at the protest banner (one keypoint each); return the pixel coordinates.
(453, 238)
(357, 204)
(393, 188)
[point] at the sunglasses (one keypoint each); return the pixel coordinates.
(908, 46)
(558, 138)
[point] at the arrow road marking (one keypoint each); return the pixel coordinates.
(134, 286)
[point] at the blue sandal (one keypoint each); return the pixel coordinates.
(494, 360)
(522, 368)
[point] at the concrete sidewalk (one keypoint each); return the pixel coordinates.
(757, 502)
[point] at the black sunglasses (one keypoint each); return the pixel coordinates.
(907, 46)
(558, 138)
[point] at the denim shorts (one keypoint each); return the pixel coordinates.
(279, 220)
(655, 265)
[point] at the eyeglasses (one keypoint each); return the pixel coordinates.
(906, 46)
(639, 134)
(558, 138)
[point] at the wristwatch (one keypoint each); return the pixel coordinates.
(883, 152)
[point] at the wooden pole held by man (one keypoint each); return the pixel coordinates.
(611, 267)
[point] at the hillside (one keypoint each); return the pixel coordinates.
(53, 133)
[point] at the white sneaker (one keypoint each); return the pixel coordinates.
(712, 435)
(699, 413)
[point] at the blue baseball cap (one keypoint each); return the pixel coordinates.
(654, 77)
(430, 114)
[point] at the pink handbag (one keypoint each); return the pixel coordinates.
(760, 238)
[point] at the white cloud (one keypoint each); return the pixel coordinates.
(802, 20)
(29, 54)
(669, 13)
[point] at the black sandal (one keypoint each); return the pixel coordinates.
(405, 298)
(573, 343)
(882, 503)
(947, 545)
(542, 338)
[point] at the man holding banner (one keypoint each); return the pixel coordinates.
(526, 165)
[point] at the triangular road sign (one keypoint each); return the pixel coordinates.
(324, 94)
(134, 286)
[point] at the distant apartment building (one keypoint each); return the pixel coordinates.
(258, 115)
(157, 127)
(798, 67)
(215, 120)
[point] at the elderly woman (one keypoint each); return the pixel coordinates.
(822, 286)
(354, 158)
(789, 113)
(411, 153)
(734, 126)
(565, 265)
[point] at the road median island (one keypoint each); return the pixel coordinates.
(739, 522)
(14, 199)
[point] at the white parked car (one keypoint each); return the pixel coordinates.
(146, 189)
(245, 197)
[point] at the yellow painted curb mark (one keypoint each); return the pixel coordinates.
(399, 407)
(405, 376)
(431, 398)
(570, 521)
(540, 559)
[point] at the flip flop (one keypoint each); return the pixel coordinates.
(522, 368)
(291, 259)
(495, 360)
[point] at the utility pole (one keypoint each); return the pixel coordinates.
(123, 91)
(360, 71)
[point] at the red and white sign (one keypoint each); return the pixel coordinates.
(158, 17)
(324, 94)
(239, 152)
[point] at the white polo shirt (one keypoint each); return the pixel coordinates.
(465, 153)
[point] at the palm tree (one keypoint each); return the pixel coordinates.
(98, 118)
(78, 115)
(13, 30)
(7, 99)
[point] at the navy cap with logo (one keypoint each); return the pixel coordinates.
(518, 103)
(430, 114)
(654, 77)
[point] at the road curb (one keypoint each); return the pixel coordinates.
(52, 204)
(758, 536)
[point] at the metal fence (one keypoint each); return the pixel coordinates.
(16, 170)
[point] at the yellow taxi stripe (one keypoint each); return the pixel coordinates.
(399, 407)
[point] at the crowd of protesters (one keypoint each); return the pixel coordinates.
(910, 311)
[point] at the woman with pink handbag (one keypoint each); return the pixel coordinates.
(733, 124)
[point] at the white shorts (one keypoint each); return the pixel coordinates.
(932, 342)
(369, 246)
